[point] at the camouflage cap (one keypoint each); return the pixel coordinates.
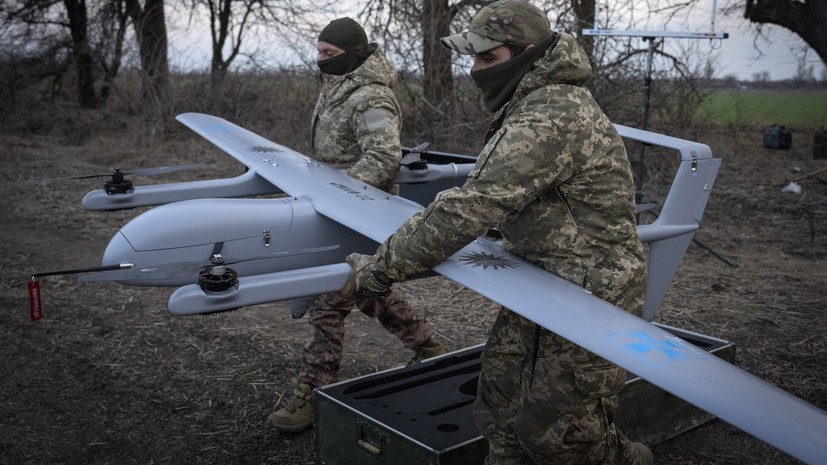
(515, 22)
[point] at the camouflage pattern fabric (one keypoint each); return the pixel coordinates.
(514, 22)
(322, 354)
(557, 407)
(356, 122)
(554, 178)
(356, 126)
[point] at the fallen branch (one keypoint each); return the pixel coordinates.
(810, 175)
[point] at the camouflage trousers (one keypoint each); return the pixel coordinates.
(322, 354)
(555, 408)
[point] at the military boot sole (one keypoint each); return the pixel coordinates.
(273, 422)
(292, 428)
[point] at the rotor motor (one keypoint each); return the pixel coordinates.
(118, 185)
(217, 278)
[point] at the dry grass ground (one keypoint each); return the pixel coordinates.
(108, 377)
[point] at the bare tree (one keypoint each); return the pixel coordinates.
(109, 40)
(433, 20)
(50, 61)
(81, 50)
(584, 11)
(761, 77)
(805, 18)
(229, 21)
(804, 74)
(438, 18)
(44, 15)
(435, 23)
(149, 21)
(235, 23)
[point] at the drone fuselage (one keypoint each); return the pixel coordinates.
(169, 244)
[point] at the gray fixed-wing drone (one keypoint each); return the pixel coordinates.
(293, 247)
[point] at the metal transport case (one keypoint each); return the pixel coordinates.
(422, 414)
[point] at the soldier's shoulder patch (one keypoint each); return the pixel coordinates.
(376, 118)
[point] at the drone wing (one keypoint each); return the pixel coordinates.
(730, 393)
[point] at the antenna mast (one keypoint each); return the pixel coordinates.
(650, 37)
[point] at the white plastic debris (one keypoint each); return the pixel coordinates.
(793, 187)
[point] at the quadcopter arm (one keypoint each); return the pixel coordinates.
(434, 172)
(248, 184)
(261, 289)
(245, 185)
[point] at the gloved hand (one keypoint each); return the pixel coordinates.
(366, 279)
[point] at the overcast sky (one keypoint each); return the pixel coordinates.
(776, 51)
(739, 54)
(736, 55)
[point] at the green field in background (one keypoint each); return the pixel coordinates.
(793, 108)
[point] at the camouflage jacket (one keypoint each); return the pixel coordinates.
(554, 178)
(357, 120)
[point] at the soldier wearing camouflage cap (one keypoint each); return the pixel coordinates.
(355, 126)
(555, 180)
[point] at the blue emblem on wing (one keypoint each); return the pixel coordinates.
(217, 127)
(654, 348)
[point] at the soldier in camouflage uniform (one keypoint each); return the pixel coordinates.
(355, 127)
(554, 178)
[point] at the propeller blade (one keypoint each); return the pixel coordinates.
(138, 172)
(164, 169)
(413, 158)
(420, 148)
(82, 176)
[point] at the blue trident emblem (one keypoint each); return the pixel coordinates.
(654, 348)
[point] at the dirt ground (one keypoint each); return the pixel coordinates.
(107, 376)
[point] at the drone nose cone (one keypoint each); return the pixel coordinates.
(118, 251)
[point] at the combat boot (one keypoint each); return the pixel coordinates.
(646, 456)
(298, 414)
(427, 350)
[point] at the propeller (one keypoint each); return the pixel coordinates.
(181, 270)
(412, 160)
(117, 172)
(118, 185)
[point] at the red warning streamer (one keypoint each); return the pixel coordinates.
(34, 300)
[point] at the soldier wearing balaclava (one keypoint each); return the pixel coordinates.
(349, 36)
(554, 179)
(355, 127)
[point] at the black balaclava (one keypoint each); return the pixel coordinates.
(499, 82)
(349, 36)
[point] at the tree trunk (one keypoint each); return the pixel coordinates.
(82, 53)
(150, 28)
(436, 23)
(807, 19)
(584, 19)
(220, 16)
(116, 20)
